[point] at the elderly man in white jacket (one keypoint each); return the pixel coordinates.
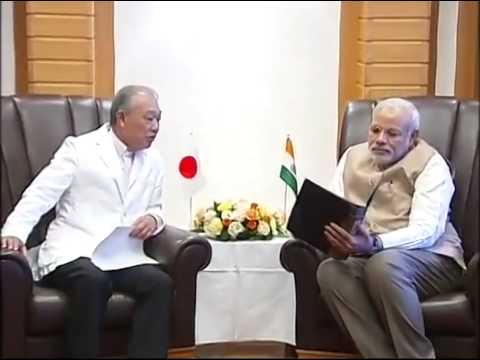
(107, 178)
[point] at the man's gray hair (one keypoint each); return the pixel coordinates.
(393, 106)
(122, 99)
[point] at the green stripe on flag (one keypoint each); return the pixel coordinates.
(289, 178)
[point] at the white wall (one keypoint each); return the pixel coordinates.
(446, 47)
(7, 49)
(241, 75)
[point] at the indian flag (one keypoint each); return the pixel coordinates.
(288, 172)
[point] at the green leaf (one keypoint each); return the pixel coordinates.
(243, 235)
(224, 236)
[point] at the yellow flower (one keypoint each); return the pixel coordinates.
(225, 206)
(264, 211)
(252, 214)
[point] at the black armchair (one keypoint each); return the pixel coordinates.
(32, 316)
(452, 126)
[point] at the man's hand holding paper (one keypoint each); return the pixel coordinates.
(120, 250)
(359, 242)
(144, 227)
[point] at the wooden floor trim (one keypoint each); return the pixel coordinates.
(255, 349)
(310, 354)
(182, 353)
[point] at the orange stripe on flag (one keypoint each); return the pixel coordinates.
(289, 147)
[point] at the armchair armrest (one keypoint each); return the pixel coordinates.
(471, 282)
(183, 254)
(315, 327)
(302, 259)
(16, 293)
(172, 244)
(296, 249)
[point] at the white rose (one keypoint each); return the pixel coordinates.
(198, 219)
(227, 215)
(209, 215)
(214, 227)
(235, 228)
(200, 214)
(263, 228)
(238, 215)
(197, 223)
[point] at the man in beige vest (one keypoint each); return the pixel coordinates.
(405, 250)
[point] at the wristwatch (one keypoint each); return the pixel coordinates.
(377, 244)
(156, 219)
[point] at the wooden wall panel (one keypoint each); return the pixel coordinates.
(394, 29)
(45, 71)
(467, 78)
(401, 74)
(60, 88)
(60, 49)
(394, 52)
(77, 26)
(395, 45)
(61, 7)
(65, 49)
(349, 52)
(396, 9)
(375, 92)
(104, 49)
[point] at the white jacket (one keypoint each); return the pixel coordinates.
(85, 182)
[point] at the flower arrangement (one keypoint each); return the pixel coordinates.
(240, 220)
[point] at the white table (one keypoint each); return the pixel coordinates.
(245, 294)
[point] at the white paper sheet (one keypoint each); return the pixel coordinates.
(119, 250)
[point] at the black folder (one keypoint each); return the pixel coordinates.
(316, 207)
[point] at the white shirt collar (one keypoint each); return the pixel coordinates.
(119, 145)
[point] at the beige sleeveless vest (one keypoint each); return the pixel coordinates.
(390, 206)
(392, 201)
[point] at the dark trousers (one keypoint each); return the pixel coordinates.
(89, 288)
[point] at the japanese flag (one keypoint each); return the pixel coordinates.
(190, 169)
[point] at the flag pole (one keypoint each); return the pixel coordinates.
(285, 194)
(191, 219)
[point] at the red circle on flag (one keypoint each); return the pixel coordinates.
(188, 167)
